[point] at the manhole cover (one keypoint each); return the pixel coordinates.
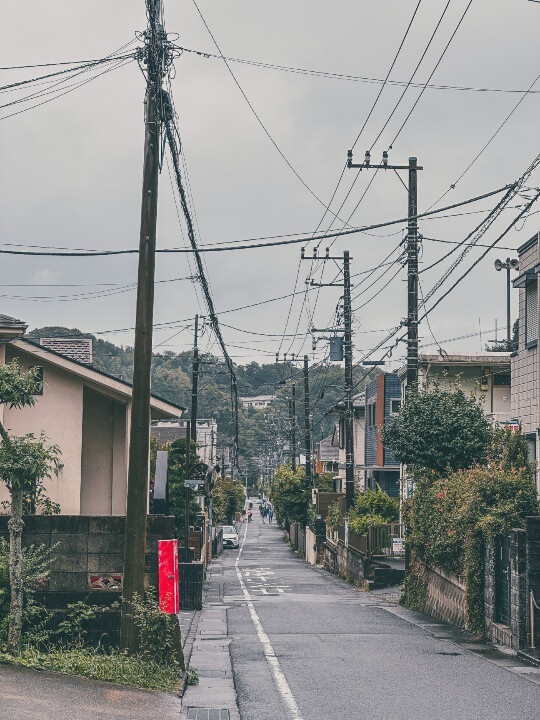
(195, 713)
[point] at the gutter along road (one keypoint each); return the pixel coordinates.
(305, 645)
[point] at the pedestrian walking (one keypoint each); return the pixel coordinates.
(270, 514)
(249, 514)
(243, 518)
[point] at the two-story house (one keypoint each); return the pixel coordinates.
(383, 400)
(525, 361)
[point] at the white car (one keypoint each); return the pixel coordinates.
(230, 536)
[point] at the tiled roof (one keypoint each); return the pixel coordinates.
(7, 320)
(79, 349)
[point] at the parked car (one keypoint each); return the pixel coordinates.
(230, 536)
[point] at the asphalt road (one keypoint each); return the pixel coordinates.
(307, 646)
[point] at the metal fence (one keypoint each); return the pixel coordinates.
(381, 539)
(377, 542)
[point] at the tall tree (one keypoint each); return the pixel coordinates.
(24, 463)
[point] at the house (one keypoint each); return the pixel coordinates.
(84, 411)
(383, 400)
(338, 441)
(258, 402)
(326, 456)
(525, 369)
(487, 374)
(167, 431)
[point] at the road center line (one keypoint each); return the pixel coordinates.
(279, 677)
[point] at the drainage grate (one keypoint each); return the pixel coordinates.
(195, 713)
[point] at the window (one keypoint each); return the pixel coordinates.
(395, 407)
(372, 414)
(531, 312)
(39, 379)
(502, 380)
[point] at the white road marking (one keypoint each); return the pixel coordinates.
(279, 677)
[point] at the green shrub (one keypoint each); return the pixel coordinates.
(156, 630)
(450, 519)
(333, 517)
(360, 524)
(376, 502)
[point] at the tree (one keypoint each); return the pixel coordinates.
(439, 430)
(24, 463)
(289, 495)
(227, 499)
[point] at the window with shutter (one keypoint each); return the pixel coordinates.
(531, 312)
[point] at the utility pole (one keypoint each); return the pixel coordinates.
(349, 411)
(412, 254)
(292, 420)
(187, 492)
(307, 423)
(348, 357)
(139, 445)
(195, 383)
(412, 278)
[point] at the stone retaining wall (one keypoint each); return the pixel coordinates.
(344, 561)
(445, 595)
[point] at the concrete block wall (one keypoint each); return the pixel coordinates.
(87, 554)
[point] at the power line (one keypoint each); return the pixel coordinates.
(412, 76)
(348, 77)
(171, 134)
(256, 115)
(432, 73)
(288, 241)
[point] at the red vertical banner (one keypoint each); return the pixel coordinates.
(169, 601)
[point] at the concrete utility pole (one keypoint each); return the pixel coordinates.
(292, 420)
(139, 445)
(187, 492)
(195, 383)
(348, 357)
(412, 278)
(412, 254)
(349, 411)
(307, 423)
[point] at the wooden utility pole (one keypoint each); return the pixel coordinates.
(348, 357)
(307, 424)
(139, 439)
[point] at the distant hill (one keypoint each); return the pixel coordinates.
(259, 429)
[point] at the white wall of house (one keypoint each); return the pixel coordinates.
(86, 414)
(62, 423)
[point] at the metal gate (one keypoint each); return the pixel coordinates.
(502, 580)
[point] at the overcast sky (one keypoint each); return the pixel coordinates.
(71, 169)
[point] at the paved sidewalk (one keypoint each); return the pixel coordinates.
(214, 697)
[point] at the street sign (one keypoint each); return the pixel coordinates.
(398, 546)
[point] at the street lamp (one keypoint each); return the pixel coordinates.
(508, 265)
